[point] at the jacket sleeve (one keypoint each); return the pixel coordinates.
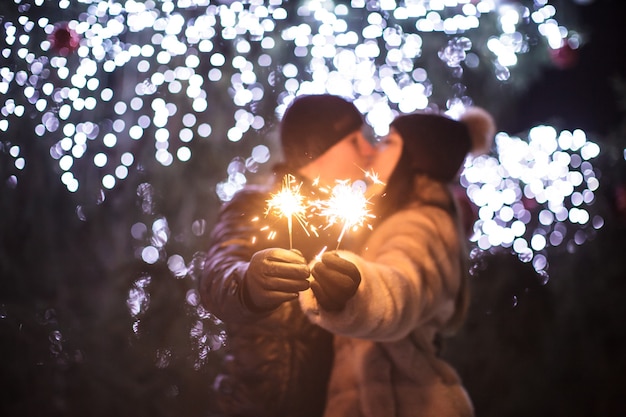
(234, 239)
(410, 275)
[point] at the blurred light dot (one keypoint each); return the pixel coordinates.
(109, 140)
(540, 262)
(217, 60)
(192, 297)
(176, 264)
(120, 107)
(90, 103)
(597, 222)
(100, 160)
(234, 134)
(79, 150)
(66, 162)
(183, 153)
(121, 172)
(538, 242)
(143, 65)
(580, 237)
(593, 184)
(185, 135)
(192, 61)
(198, 227)
(144, 121)
(92, 84)
(556, 238)
(260, 153)
(108, 181)
(135, 132)
(150, 254)
(189, 120)
(139, 231)
(199, 105)
(162, 135)
(127, 158)
(175, 87)
(164, 157)
(136, 103)
(290, 71)
(204, 130)
(546, 217)
(215, 75)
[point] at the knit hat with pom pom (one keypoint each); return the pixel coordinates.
(437, 145)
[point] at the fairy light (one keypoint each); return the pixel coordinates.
(172, 56)
(531, 190)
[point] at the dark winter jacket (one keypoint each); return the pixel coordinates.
(411, 290)
(277, 363)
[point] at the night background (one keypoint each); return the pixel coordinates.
(123, 125)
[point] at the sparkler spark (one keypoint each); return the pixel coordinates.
(373, 176)
(347, 205)
(318, 257)
(290, 204)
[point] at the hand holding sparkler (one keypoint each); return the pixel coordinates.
(336, 280)
(274, 276)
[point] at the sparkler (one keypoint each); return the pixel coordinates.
(289, 203)
(347, 205)
(373, 176)
(376, 187)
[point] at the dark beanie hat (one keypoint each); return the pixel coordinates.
(437, 145)
(314, 123)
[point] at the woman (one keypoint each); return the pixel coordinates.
(389, 307)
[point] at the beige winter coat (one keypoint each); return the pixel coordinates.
(386, 364)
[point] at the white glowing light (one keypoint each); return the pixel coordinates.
(532, 182)
(347, 206)
(290, 204)
(196, 70)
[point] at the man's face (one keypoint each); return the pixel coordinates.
(348, 159)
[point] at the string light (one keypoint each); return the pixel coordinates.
(535, 194)
(174, 56)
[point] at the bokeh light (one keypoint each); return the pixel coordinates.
(175, 56)
(534, 193)
(168, 75)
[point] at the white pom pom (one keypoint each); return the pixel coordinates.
(482, 129)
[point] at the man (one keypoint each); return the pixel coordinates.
(277, 362)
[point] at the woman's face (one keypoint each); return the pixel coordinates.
(387, 155)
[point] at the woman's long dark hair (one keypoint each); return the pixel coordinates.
(399, 190)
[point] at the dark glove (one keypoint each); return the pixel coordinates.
(274, 276)
(336, 281)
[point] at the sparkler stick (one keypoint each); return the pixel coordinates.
(318, 257)
(289, 203)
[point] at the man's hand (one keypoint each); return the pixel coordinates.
(336, 281)
(274, 276)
